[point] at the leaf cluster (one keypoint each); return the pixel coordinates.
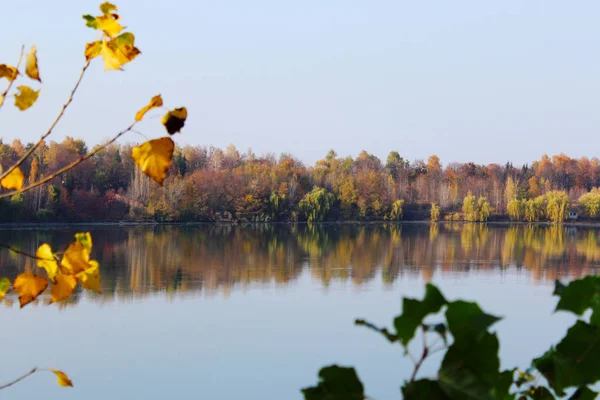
(470, 368)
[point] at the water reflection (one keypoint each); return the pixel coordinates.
(212, 260)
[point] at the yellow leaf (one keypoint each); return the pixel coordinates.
(90, 278)
(109, 24)
(8, 72)
(119, 51)
(154, 157)
(46, 260)
(26, 97)
(29, 287)
(174, 120)
(92, 50)
(107, 7)
(75, 259)
(155, 102)
(14, 180)
(63, 287)
(4, 286)
(63, 379)
(85, 239)
(31, 65)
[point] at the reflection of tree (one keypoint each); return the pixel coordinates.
(209, 260)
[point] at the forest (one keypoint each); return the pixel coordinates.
(208, 184)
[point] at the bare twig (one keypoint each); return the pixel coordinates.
(424, 355)
(10, 84)
(49, 131)
(437, 350)
(33, 371)
(69, 166)
(419, 363)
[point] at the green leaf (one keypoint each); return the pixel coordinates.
(578, 295)
(414, 311)
(383, 331)
(90, 21)
(126, 38)
(466, 320)
(107, 7)
(336, 383)
(584, 393)
(540, 393)
(503, 383)
(423, 389)
(523, 378)
(4, 286)
(470, 369)
(441, 329)
(558, 287)
(574, 361)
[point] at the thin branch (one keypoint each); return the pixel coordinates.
(33, 371)
(49, 131)
(140, 133)
(389, 336)
(70, 166)
(424, 355)
(10, 84)
(437, 350)
(14, 250)
(419, 363)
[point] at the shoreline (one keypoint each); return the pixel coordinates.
(22, 225)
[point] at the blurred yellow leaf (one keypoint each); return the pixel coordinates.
(106, 22)
(75, 259)
(26, 97)
(174, 120)
(4, 286)
(8, 72)
(46, 260)
(109, 24)
(92, 50)
(31, 64)
(14, 180)
(63, 287)
(63, 379)
(155, 102)
(154, 157)
(85, 239)
(107, 7)
(29, 287)
(119, 51)
(90, 278)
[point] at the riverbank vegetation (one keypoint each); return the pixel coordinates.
(212, 184)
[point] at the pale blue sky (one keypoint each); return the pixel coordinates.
(483, 81)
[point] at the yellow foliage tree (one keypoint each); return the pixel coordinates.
(557, 205)
(435, 213)
(591, 202)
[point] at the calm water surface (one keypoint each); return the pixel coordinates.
(254, 311)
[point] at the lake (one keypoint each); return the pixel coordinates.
(232, 312)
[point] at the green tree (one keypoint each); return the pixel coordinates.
(316, 205)
(557, 206)
(396, 211)
(434, 213)
(516, 209)
(591, 202)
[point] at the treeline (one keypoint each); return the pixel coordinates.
(212, 184)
